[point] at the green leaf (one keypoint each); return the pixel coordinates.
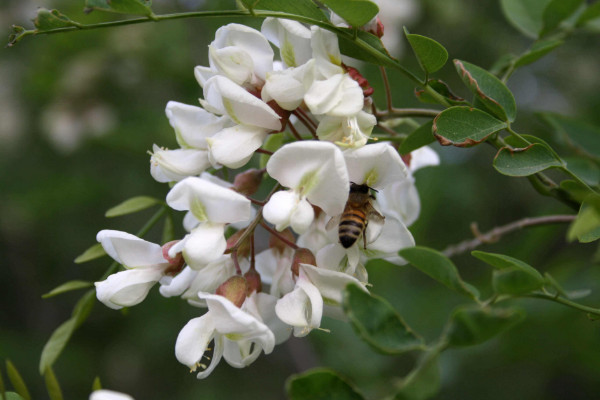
(132, 205)
(585, 138)
(442, 89)
(589, 14)
(512, 276)
(272, 143)
(51, 19)
(439, 267)
(377, 323)
(59, 338)
(418, 138)
(320, 384)
(305, 8)
(353, 48)
(464, 126)
(67, 287)
(431, 55)
(537, 51)
(17, 381)
(586, 227)
(2, 387)
(525, 15)
(526, 161)
(423, 382)
(556, 12)
(168, 233)
(469, 326)
(490, 90)
(52, 386)
(13, 396)
(584, 168)
(355, 12)
(96, 385)
(576, 190)
(93, 252)
(136, 7)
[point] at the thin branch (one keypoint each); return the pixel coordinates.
(390, 131)
(495, 234)
(407, 112)
(236, 262)
(263, 151)
(294, 132)
(306, 116)
(566, 302)
(307, 124)
(279, 236)
(388, 91)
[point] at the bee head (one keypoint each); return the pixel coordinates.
(360, 188)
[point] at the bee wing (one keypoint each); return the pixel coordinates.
(375, 223)
(332, 223)
(373, 215)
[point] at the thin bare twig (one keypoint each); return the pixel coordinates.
(495, 234)
(279, 236)
(386, 85)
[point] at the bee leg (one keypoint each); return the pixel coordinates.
(364, 235)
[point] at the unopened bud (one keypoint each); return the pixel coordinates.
(279, 245)
(253, 280)
(407, 159)
(175, 263)
(361, 80)
(244, 249)
(247, 182)
(284, 115)
(378, 31)
(234, 289)
(302, 256)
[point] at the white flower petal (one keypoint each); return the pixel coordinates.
(233, 62)
(216, 357)
(193, 124)
(423, 157)
(129, 250)
(210, 277)
(233, 147)
(325, 46)
(338, 96)
(291, 37)
(193, 340)
(205, 244)
(104, 394)
(128, 288)
(203, 74)
(401, 200)
(378, 165)
(175, 165)
(177, 285)
(302, 308)
(264, 305)
(278, 210)
(394, 237)
(331, 284)
(241, 106)
(209, 201)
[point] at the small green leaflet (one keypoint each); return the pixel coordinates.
(469, 325)
(17, 381)
(420, 137)
(51, 19)
(132, 205)
(525, 15)
(377, 323)
(67, 287)
(320, 384)
(526, 161)
(355, 12)
(441, 88)
(52, 385)
(135, 7)
(93, 252)
(305, 8)
(557, 11)
(464, 126)
(537, 51)
(512, 276)
(591, 13)
(586, 228)
(431, 55)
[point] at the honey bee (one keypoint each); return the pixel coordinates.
(357, 212)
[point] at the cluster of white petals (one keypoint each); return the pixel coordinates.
(255, 299)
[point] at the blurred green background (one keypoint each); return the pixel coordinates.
(78, 112)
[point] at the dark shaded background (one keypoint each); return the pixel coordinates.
(79, 111)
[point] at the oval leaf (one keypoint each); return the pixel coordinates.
(67, 287)
(136, 7)
(512, 276)
(355, 12)
(320, 384)
(469, 326)
(305, 8)
(591, 13)
(431, 55)
(418, 138)
(442, 89)
(490, 90)
(17, 381)
(525, 15)
(439, 267)
(586, 227)
(59, 338)
(464, 126)
(93, 252)
(354, 47)
(557, 11)
(51, 19)
(52, 386)
(574, 132)
(13, 396)
(537, 51)
(526, 161)
(377, 323)
(131, 205)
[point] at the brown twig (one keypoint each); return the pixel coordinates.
(386, 85)
(308, 123)
(495, 234)
(406, 113)
(279, 236)
(294, 131)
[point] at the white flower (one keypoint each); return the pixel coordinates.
(353, 131)
(144, 263)
(238, 336)
(274, 268)
(291, 37)
(377, 165)
(175, 165)
(213, 206)
(288, 87)
(315, 171)
(193, 124)
(104, 394)
(302, 308)
(233, 147)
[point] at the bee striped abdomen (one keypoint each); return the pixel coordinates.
(352, 225)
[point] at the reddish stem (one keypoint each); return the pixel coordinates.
(279, 236)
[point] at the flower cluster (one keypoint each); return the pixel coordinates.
(257, 299)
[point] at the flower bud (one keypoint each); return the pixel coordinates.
(234, 289)
(175, 263)
(254, 282)
(279, 245)
(244, 249)
(407, 158)
(361, 80)
(247, 182)
(302, 256)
